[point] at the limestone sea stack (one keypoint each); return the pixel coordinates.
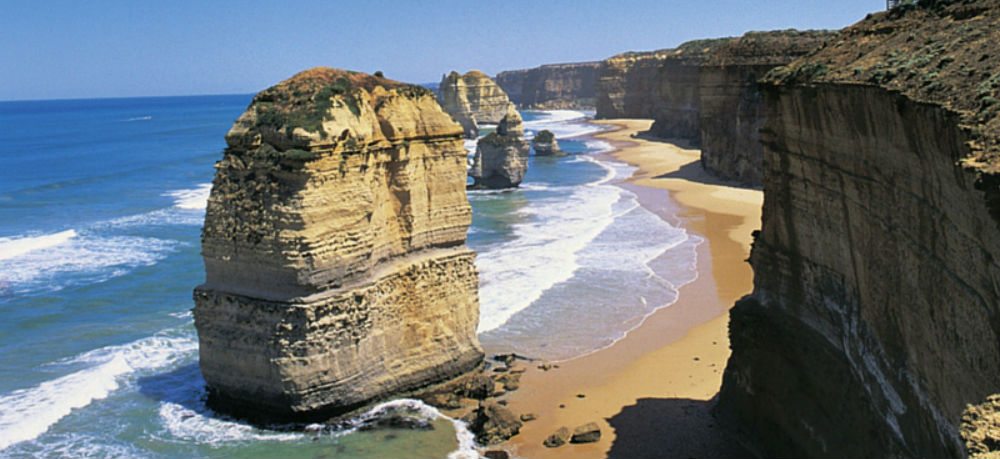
(874, 322)
(545, 144)
(334, 244)
(501, 159)
(473, 99)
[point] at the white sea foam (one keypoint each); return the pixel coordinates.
(187, 419)
(565, 124)
(31, 259)
(557, 116)
(470, 146)
(513, 275)
(28, 413)
(193, 198)
(598, 146)
(139, 118)
(93, 258)
(17, 246)
(593, 240)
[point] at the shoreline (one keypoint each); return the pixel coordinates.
(667, 369)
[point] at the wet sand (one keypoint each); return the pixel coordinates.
(651, 392)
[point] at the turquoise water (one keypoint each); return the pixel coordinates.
(101, 203)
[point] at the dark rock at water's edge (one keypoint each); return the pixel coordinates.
(496, 454)
(552, 86)
(501, 158)
(875, 317)
(545, 144)
(317, 233)
(493, 423)
(478, 398)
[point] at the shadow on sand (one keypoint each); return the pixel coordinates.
(692, 171)
(671, 428)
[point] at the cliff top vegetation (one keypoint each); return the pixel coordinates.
(936, 51)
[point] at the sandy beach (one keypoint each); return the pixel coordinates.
(651, 391)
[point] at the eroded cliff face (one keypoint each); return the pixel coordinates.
(875, 315)
(704, 92)
(731, 105)
(628, 85)
(473, 99)
(553, 86)
(334, 247)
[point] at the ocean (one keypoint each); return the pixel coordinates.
(101, 204)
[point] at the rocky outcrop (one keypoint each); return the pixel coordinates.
(545, 144)
(875, 315)
(334, 246)
(501, 158)
(704, 92)
(473, 99)
(553, 86)
(981, 429)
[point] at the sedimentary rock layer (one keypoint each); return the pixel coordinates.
(334, 249)
(553, 86)
(473, 99)
(704, 92)
(875, 315)
(730, 101)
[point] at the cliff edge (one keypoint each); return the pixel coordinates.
(875, 316)
(334, 246)
(704, 92)
(552, 86)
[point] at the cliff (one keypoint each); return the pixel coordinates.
(704, 92)
(730, 100)
(334, 246)
(875, 315)
(472, 99)
(553, 86)
(501, 158)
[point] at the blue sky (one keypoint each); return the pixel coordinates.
(78, 49)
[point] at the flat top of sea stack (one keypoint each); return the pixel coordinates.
(324, 106)
(943, 55)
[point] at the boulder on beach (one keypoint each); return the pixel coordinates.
(587, 433)
(558, 438)
(493, 423)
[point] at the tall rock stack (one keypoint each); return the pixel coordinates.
(875, 317)
(334, 247)
(501, 159)
(473, 99)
